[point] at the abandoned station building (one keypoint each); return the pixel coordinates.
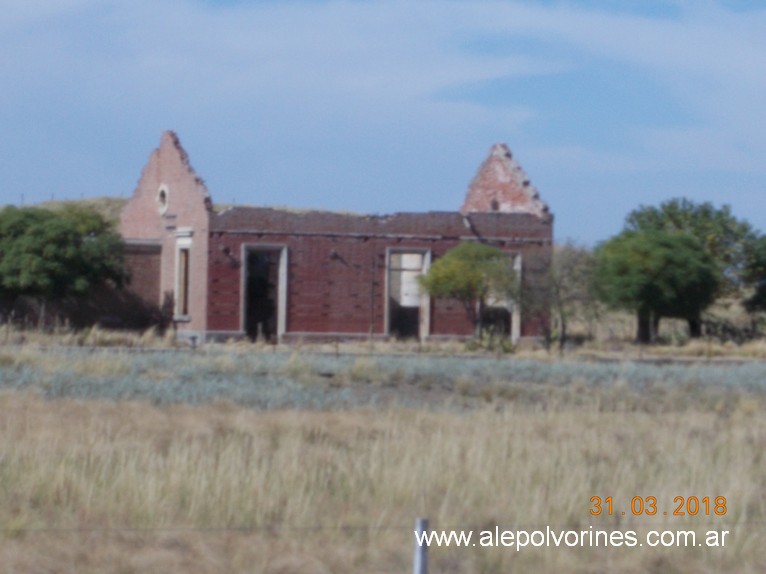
(302, 275)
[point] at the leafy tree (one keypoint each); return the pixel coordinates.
(87, 219)
(472, 273)
(724, 237)
(755, 275)
(656, 274)
(570, 287)
(50, 256)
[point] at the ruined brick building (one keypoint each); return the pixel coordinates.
(289, 275)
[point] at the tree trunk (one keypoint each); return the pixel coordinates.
(478, 325)
(655, 327)
(41, 317)
(563, 335)
(695, 327)
(644, 333)
(470, 312)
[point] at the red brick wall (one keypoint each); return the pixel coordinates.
(336, 273)
(341, 293)
(336, 279)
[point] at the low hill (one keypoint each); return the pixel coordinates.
(109, 207)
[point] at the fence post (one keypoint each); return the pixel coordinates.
(420, 563)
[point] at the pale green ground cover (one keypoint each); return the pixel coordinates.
(270, 379)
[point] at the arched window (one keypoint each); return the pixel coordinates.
(162, 198)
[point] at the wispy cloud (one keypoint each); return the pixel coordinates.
(382, 105)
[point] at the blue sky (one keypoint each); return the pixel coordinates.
(382, 106)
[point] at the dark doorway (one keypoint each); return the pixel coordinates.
(261, 293)
(497, 321)
(404, 321)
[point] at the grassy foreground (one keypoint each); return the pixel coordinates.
(228, 462)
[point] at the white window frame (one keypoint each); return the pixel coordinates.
(183, 243)
(424, 326)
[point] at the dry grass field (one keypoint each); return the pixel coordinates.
(250, 462)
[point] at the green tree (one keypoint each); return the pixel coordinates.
(50, 256)
(724, 237)
(472, 273)
(656, 274)
(755, 275)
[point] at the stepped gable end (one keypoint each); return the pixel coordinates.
(502, 186)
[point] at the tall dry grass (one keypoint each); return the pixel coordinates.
(219, 488)
(95, 336)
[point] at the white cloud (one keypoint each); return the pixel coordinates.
(261, 76)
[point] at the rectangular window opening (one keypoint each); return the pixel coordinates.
(182, 296)
(408, 314)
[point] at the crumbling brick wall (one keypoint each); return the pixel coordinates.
(337, 264)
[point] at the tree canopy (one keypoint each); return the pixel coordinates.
(52, 255)
(471, 273)
(656, 274)
(724, 237)
(755, 275)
